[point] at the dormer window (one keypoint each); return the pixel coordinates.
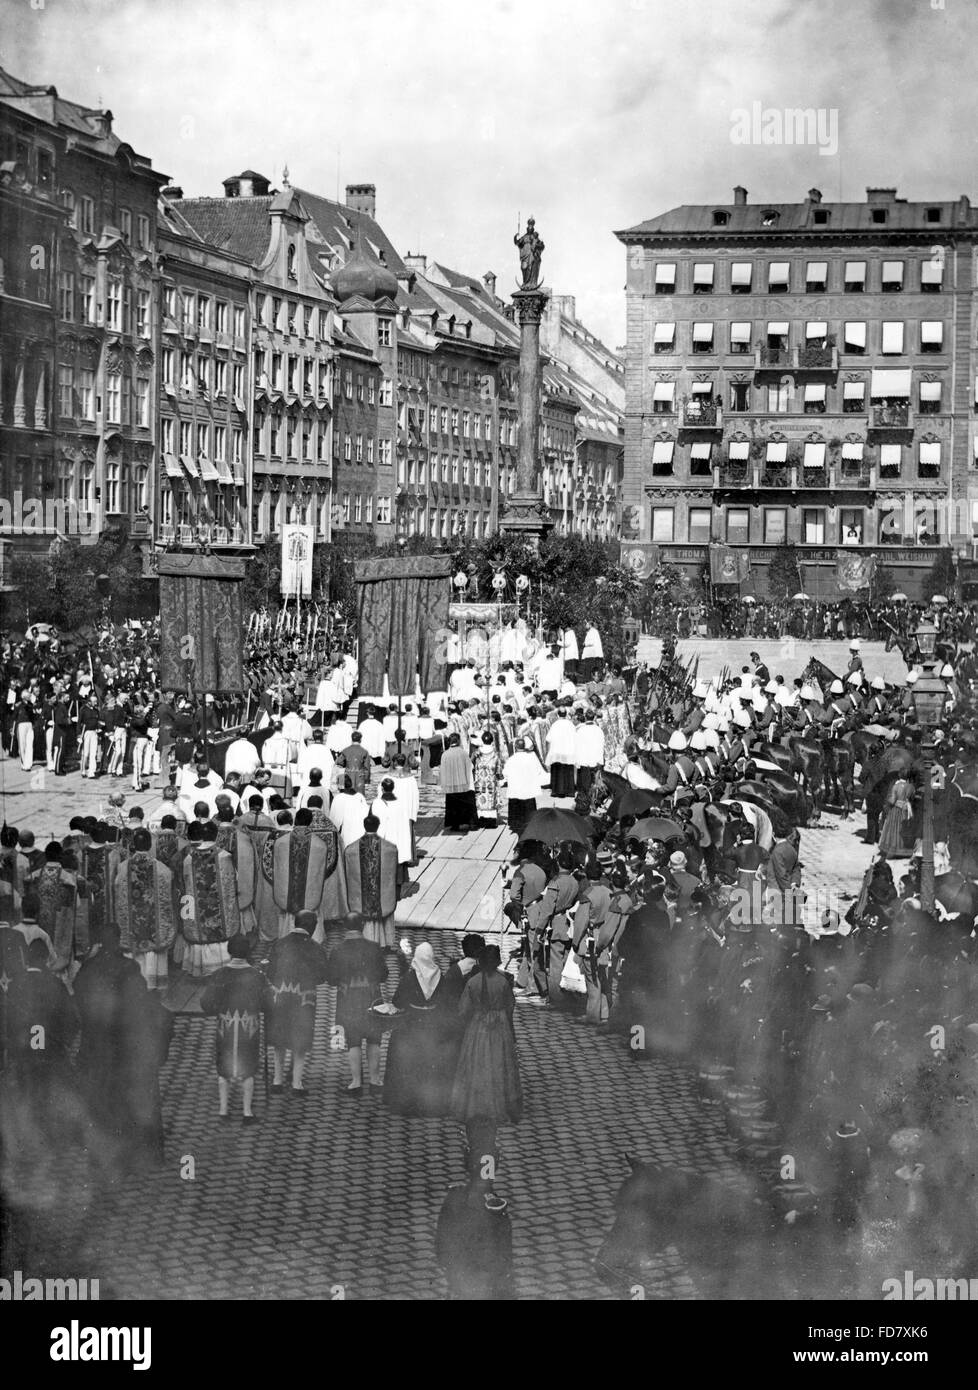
(933, 215)
(770, 218)
(291, 262)
(820, 217)
(720, 219)
(451, 324)
(879, 216)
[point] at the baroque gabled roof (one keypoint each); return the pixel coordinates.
(240, 225)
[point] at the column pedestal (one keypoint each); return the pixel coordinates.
(527, 515)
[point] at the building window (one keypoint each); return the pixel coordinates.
(930, 398)
(813, 525)
(778, 277)
(113, 399)
(454, 421)
(740, 334)
(892, 277)
(891, 460)
(88, 216)
(663, 398)
(360, 390)
(113, 315)
(816, 277)
(932, 276)
(466, 424)
(851, 526)
(292, 311)
(142, 402)
(186, 438)
(371, 391)
(384, 446)
(821, 216)
(359, 449)
(854, 398)
(220, 443)
(369, 518)
(770, 218)
(854, 339)
(348, 448)
(892, 344)
(113, 487)
(142, 232)
(741, 273)
(929, 460)
(665, 277)
(387, 395)
(878, 216)
(166, 435)
(384, 333)
(931, 337)
(275, 436)
(86, 394)
(663, 524)
(187, 317)
(220, 317)
(345, 512)
(700, 522)
(740, 395)
(855, 277)
(358, 508)
(664, 337)
(66, 390)
(87, 288)
(738, 525)
(142, 313)
(814, 402)
(720, 219)
(779, 398)
(125, 224)
(702, 337)
(775, 525)
(700, 462)
(68, 202)
(703, 277)
(66, 295)
(203, 314)
(370, 449)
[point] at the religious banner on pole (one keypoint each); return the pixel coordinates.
(202, 631)
(854, 572)
(403, 612)
(728, 566)
(642, 558)
(297, 544)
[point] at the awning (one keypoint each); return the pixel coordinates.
(740, 273)
(663, 390)
(853, 451)
(777, 330)
(239, 476)
(239, 404)
(740, 332)
(930, 390)
(703, 273)
(702, 332)
(931, 332)
(778, 272)
(665, 273)
(739, 450)
(855, 334)
(664, 333)
(891, 455)
(190, 465)
(853, 390)
(855, 272)
(816, 330)
(890, 381)
(662, 451)
(172, 465)
(701, 451)
(930, 452)
(893, 336)
(702, 388)
(931, 272)
(814, 456)
(817, 270)
(224, 474)
(207, 470)
(892, 270)
(815, 391)
(777, 453)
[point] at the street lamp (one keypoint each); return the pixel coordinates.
(929, 696)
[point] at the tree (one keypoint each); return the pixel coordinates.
(940, 577)
(784, 574)
(883, 585)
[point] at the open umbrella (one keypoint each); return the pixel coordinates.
(747, 599)
(800, 598)
(939, 600)
(552, 826)
(655, 828)
(898, 598)
(966, 781)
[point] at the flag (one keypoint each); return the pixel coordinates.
(854, 572)
(728, 566)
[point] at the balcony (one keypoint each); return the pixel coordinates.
(817, 358)
(773, 359)
(854, 479)
(697, 414)
(890, 418)
(777, 476)
(734, 475)
(813, 478)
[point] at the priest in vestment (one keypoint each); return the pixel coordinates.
(99, 863)
(265, 908)
(392, 812)
(371, 883)
(241, 848)
(209, 915)
(56, 891)
(145, 910)
(308, 875)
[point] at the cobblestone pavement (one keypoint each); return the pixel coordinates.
(336, 1197)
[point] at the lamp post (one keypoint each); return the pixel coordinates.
(929, 695)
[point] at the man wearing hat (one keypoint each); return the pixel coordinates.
(760, 670)
(855, 659)
(296, 967)
(356, 969)
(593, 939)
(680, 883)
(237, 994)
(550, 923)
(683, 770)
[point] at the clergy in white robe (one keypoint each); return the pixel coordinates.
(395, 822)
(339, 735)
(314, 754)
(347, 812)
(561, 753)
(374, 738)
(588, 750)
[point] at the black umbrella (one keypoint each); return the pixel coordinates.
(656, 828)
(553, 827)
(634, 802)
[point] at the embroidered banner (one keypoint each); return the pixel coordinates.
(403, 608)
(201, 630)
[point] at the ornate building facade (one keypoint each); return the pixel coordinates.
(803, 373)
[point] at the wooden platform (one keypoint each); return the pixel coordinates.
(458, 885)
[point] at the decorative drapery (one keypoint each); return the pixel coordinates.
(728, 566)
(854, 572)
(201, 624)
(403, 609)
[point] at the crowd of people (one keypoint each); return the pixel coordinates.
(657, 892)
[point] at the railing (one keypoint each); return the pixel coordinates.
(855, 477)
(780, 476)
(702, 414)
(767, 358)
(735, 475)
(815, 477)
(895, 415)
(818, 357)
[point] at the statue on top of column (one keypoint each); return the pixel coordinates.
(531, 249)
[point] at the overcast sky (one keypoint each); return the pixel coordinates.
(590, 114)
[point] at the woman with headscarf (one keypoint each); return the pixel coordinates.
(416, 1081)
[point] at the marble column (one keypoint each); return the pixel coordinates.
(526, 513)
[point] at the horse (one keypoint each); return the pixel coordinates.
(778, 791)
(838, 768)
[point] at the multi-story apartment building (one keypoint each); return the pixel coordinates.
(803, 373)
(203, 487)
(81, 422)
(292, 347)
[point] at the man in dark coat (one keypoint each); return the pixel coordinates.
(237, 995)
(357, 970)
(296, 967)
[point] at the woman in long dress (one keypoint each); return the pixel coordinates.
(486, 774)
(487, 1085)
(895, 822)
(416, 1080)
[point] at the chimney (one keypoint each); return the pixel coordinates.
(246, 185)
(172, 190)
(740, 197)
(814, 195)
(362, 197)
(416, 261)
(489, 280)
(880, 195)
